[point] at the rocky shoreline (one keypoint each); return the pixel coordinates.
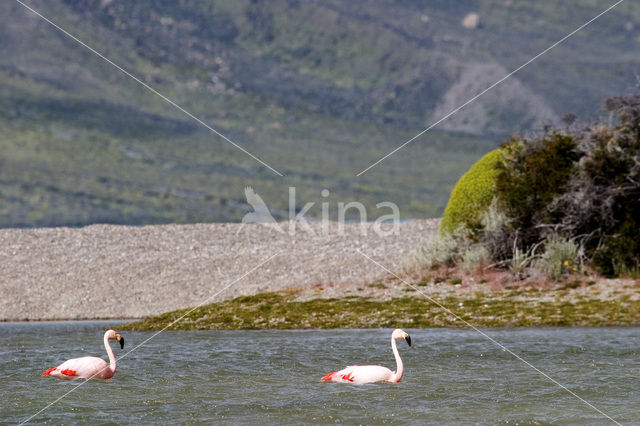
(115, 272)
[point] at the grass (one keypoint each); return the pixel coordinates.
(505, 309)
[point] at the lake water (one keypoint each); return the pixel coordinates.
(273, 377)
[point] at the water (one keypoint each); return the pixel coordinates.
(258, 377)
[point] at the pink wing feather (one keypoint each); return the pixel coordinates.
(85, 367)
(359, 374)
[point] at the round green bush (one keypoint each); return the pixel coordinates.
(472, 195)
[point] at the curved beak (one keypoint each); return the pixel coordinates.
(408, 339)
(120, 339)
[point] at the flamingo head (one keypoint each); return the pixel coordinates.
(401, 334)
(112, 335)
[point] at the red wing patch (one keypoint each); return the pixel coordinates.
(49, 371)
(348, 377)
(328, 377)
(68, 372)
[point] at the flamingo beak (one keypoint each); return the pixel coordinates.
(408, 339)
(120, 339)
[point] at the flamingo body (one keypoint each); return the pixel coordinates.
(361, 374)
(85, 367)
(88, 367)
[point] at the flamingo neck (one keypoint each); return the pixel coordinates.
(399, 367)
(112, 358)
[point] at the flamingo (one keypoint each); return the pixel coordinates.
(360, 374)
(89, 367)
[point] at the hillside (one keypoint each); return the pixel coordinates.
(319, 90)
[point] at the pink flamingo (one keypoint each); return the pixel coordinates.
(89, 367)
(360, 374)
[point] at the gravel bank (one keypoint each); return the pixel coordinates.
(113, 272)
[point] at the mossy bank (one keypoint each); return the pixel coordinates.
(509, 308)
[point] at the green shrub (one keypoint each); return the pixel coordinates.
(584, 185)
(561, 258)
(623, 270)
(619, 252)
(474, 257)
(439, 249)
(602, 200)
(532, 174)
(472, 195)
(495, 234)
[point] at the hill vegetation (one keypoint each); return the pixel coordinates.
(318, 90)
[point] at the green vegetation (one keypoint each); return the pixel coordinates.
(505, 309)
(564, 202)
(582, 187)
(317, 90)
(472, 195)
(561, 258)
(438, 249)
(534, 172)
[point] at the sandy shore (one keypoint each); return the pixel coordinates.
(109, 272)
